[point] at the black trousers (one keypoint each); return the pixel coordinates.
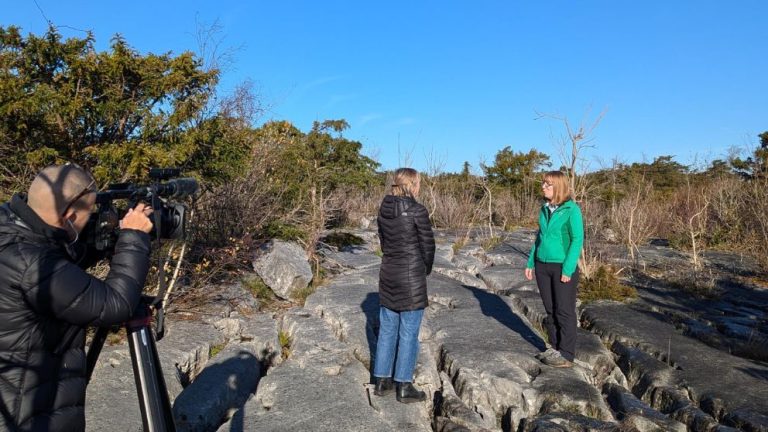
(560, 303)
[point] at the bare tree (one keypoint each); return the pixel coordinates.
(572, 147)
(435, 166)
(691, 218)
(633, 216)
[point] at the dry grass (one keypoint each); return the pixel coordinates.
(700, 283)
(285, 343)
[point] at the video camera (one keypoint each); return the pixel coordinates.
(103, 227)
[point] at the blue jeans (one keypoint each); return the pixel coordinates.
(391, 325)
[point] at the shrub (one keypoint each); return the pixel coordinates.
(603, 284)
(301, 294)
(215, 349)
(459, 244)
(285, 343)
(342, 239)
(260, 290)
(284, 231)
(491, 242)
(702, 284)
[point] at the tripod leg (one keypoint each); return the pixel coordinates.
(97, 343)
(155, 407)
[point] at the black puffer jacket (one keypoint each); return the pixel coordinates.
(46, 302)
(408, 246)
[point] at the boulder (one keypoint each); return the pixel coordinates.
(283, 266)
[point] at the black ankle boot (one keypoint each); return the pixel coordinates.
(407, 393)
(384, 386)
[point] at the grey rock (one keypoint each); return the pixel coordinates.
(506, 279)
(476, 360)
(319, 387)
(185, 350)
(666, 359)
(212, 303)
(512, 253)
(283, 266)
(112, 399)
(637, 413)
(487, 351)
(459, 275)
(593, 355)
(453, 409)
(567, 422)
(353, 259)
(259, 336)
(468, 263)
(352, 312)
(443, 254)
(365, 221)
(222, 387)
(471, 249)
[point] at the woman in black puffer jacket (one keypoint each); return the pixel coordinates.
(408, 248)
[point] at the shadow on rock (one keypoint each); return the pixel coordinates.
(370, 307)
(755, 373)
(493, 306)
(222, 387)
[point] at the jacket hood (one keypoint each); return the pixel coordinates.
(394, 206)
(17, 217)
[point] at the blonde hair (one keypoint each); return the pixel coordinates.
(561, 188)
(404, 182)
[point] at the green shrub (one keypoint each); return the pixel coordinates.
(215, 349)
(342, 239)
(604, 285)
(260, 290)
(285, 343)
(284, 231)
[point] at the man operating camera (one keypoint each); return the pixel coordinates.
(47, 300)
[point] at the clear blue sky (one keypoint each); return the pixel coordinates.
(460, 80)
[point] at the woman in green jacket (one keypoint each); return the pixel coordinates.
(554, 258)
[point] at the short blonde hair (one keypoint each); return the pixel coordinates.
(561, 188)
(404, 182)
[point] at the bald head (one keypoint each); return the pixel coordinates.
(60, 189)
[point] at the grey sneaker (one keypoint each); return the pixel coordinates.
(548, 353)
(557, 361)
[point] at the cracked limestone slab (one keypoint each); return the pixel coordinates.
(112, 399)
(722, 384)
(321, 386)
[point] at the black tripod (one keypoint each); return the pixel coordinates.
(156, 414)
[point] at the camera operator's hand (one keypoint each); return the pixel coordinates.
(137, 218)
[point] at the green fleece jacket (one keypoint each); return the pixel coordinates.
(560, 237)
